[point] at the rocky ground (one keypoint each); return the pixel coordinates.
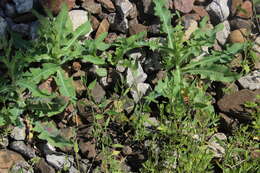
(124, 18)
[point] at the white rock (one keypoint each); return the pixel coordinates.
(23, 6)
(135, 77)
(124, 6)
(251, 81)
(3, 26)
(140, 91)
(218, 9)
(222, 35)
(59, 161)
(78, 17)
(18, 133)
(216, 147)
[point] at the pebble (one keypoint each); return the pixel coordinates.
(18, 133)
(218, 10)
(238, 36)
(59, 161)
(185, 6)
(98, 93)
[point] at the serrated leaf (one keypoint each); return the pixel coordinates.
(80, 31)
(93, 59)
(61, 21)
(36, 92)
(38, 74)
(65, 85)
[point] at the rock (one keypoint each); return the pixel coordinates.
(232, 105)
(94, 22)
(18, 133)
(21, 28)
(218, 10)
(135, 79)
(103, 27)
(8, 159)
(98, 93)
(228, 123)
(23, 6)
(185, 6)
(152, 121)
(68, 134)
(4, 142)
(84, 165)
(136, 28)
(118, 23)
(10, 10)
(133, 12)
(47, 148)
(92, 7)
(55, 6)
(235, 5)
(73, 170)
(200, 10)
(124, 7)
(147, 6)
(257, 8)
(238, 36)
(88, 149)
(193, 26)
(111, 37)
(79, 86)
(108, 5)
(24, 18)
(154, 29)
(43, 167)
(59, 161)
(20, 147)
(3, 26)
(250, 81)
(127, 150)
(79, 17)
(246, 10)
(238, 23)
(216, 147)
(33, 30)
(222, 35)
(256, 49)
(21, 166)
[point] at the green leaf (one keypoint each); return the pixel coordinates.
(93, 59)
(38, 74)
(36, 92)
(80, 31)
(101, 72)
(61, 21)
(92, 84)
(65, 85)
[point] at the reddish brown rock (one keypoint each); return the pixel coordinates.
(92, 7)
(107, 4)
(136, 28)
(235, 6)
(94, 22)
(238, 36)
(200, 10)
(185, 6)
(103, 27)
(55, 6)
(246, 10)
(7, 159)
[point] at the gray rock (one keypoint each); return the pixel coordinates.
(238, 23)
(47, 148)
(218, 10)
(33, 30)
(139, 91)
(222, 35)
(59, 161)
(3, 26)
(21, 166)
(124, 7)
(84, 165)
(23, 149)
(251, 81)
(147, 6)
(42, 167)
(73, 170)
(23, 6)
(10, 10)
(21, 28)
(118, 23)
(18, 133)
(98, 93)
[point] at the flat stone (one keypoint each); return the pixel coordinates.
(222, 35)
(136, 28)
(232, 105)
(200, 10)
(78, 17)
(21, 166)
(94, 22)
(250, 81)
(23, 6)
(21, 147)
(56, 6)
(98, 93)
(7, 159)
(88, 149)
(108, 5)
(218, 10)
(238, 23)
(246, 10)
(185, 6)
